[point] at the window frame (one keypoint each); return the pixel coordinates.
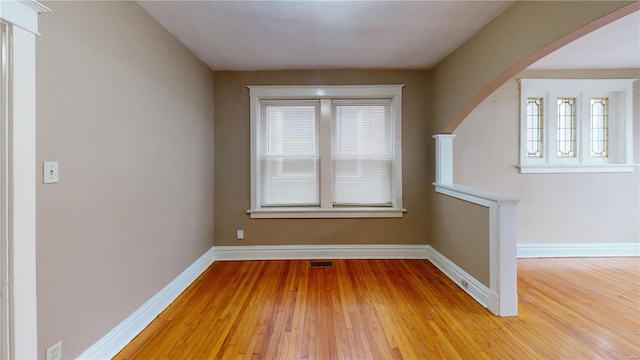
(325, 94)
(620, 125)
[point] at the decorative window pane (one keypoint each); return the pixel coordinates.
(599, 127)
(567, 127)
(534, 127)
(576, 125)
(289, 156)
(362, 152)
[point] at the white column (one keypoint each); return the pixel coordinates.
(504, 273)
(444, 158)
(22, 213)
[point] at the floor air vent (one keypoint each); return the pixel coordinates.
(320, 264)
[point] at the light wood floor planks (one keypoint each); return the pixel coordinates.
(397, 309)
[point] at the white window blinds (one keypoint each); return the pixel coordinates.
(362, 151)
(289, 153)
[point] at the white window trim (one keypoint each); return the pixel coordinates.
(393, 92)
(621, 131)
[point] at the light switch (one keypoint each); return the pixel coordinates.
(50, 172)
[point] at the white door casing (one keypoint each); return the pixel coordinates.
(18, 193)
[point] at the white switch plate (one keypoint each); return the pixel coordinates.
(239, 234)
(50, 172)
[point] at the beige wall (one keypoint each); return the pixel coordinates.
(128, 113)
(555, 208)
(232, 164)
(522, 34)
(460, 231)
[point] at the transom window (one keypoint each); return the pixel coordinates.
(570, 125)
(326, 151)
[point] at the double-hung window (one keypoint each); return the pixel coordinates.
(576, 125)
(326, 151)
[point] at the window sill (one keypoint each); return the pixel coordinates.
(318, 213)
(558, 169)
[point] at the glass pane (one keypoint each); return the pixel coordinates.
(567, 127)
(599, 127)
(534, 127)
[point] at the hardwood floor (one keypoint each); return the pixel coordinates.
(397, 309)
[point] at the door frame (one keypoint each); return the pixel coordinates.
(19, 180)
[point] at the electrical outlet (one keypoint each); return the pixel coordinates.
(464, 283)
(54, 352)
(239, 234)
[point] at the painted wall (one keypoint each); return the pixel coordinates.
(232, 164)
(128, 113)
(521, 35)
(467, 246)
(555, 208)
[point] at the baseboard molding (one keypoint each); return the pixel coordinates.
(116, 339)
(541, 250)
(474, 288)
(303, 252)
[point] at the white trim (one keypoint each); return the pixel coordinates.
(22, 17)
(444, 158)
(565, 85)
(121, 335)
(556, 169)
(503, 262)
(475, 195)
(477, 290)
(5, 235)
(326, 152)
(307, 252)
(541, 250)
(116, 339)
(329, 213)
(326, 93)
(620, 130)
(23, 13)
(22, 194)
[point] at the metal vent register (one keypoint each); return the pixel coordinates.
(320, 264)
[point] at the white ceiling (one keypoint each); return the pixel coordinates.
(613, 46)
(271, 35)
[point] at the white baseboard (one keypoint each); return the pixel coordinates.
(541, 250)
(304, 252)
(116, 339)
(474, 288)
